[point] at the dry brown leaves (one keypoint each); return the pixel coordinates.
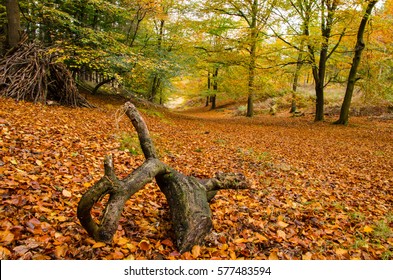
(318, 191)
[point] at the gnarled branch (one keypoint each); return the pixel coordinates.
(187, 196)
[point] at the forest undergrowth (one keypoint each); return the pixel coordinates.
(318, 191)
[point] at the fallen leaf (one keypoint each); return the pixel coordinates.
(167, 242)
(88, 240)
(130, 257)
(222, 239)
(60, 251)
(4, 253)
(187, 256)
(132, 247)
(240, 240)
(368, 229)
(6, 237)
(268, 211)
(61, 218)
(117, 255)
(66, 193)
(41, 257)
(260, 237)
(99, 245)
(282, 224)
(281, 234)
(196, 251)
(273, 256)
(307, 256)
(20, 250)
(122, 241)
(144, 245)
(340, 251)
(232, 254)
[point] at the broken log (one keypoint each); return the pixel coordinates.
(188, 197)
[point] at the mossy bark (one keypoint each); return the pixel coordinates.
(190, 211)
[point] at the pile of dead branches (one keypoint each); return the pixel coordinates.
(31, 73)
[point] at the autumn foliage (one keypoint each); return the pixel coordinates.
(318, 191)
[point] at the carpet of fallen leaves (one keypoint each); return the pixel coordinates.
(318, 191)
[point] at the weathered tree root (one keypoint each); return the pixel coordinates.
(188, 197)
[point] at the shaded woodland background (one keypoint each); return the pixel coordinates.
(290, 54)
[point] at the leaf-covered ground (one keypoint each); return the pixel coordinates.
(318, 191)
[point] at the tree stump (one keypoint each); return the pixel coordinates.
(188, 197)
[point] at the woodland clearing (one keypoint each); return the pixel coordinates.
(318, 191)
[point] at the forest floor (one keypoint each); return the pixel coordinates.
(318, 191)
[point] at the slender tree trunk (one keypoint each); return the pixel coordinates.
(320, 82)
(154, 87)
(208, 88)
(215, 88)
(299, 64)
(213, 101)
(319, 72)
(134, 26)
(251, 80)
(95, 90)
(253, 54)
(156, 82)
(319, 104)
(13, 18)
(360, 45)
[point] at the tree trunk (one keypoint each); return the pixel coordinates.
(328, 10)
(299, 64)
(215, 88)
(250, 105)
(360, 45)
(319, 104)
(13, 18)
(253, 54)
(95, 90)
(320, 81)
(213, 101)
(188, 197)
(155, 85)
(156, 82)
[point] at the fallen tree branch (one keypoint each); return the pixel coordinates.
(187, 196)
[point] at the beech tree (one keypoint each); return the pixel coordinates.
(359, 47)
(213, 52)
(328, 9)
(320, 42)
(13, 23)
(255, 14)
(304, 12)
